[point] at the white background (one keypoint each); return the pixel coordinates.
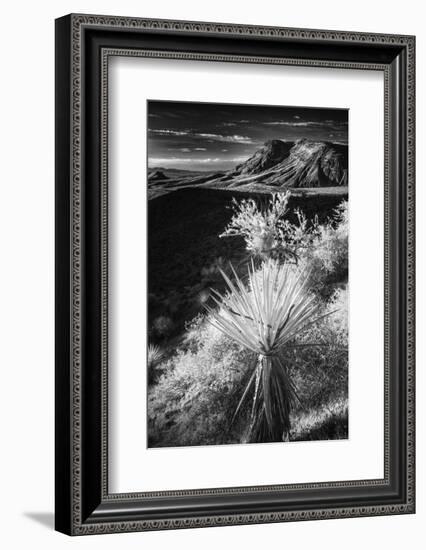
(359, 457)
(26, 305)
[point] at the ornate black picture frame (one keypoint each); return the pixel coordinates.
(84, 44)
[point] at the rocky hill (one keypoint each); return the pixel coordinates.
(277, 165)
(271, 154)
(303, 163)
(156, 175)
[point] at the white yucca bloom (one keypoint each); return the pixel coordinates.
(263, 316)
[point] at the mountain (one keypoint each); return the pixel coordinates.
(156, 175)
(272, 153)
(278, 164)
(303, 163)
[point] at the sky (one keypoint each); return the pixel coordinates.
(218, 136)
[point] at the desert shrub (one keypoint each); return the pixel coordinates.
(327, 255)
(268, 233)
(263, 227)
(331, 244)
(194, 400)
(327, 422)
(196, 397)
(320, 371)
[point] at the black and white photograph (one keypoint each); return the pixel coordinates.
(248, 274)
(209, 277)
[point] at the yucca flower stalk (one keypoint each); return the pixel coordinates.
(263, 316)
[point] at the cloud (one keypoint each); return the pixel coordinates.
(152, 161)
(225, 139)
(168, 132)
(212, 137)
(186, 149)
(295, 124)
(327, 124)
(235, 122)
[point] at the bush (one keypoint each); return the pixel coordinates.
(327, 255)
(264, 229)
(196, 397)
(192, 403)
(320, 371)
(329, 422)
(323, 248)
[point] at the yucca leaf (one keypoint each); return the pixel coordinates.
(264, 315)
(241, 401)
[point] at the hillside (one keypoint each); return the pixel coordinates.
(276, 166)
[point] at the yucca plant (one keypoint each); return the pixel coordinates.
(264, 316)
(154, 355)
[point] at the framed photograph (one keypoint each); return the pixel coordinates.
(234, 274)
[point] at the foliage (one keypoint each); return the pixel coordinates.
(184, 253)
(197, 395)
(263, 226)
(208, 373)
(263, 317)
(202, 384)
(155, 354)
(319, 371)
(327, 254)
(268, 234)
(327, 422)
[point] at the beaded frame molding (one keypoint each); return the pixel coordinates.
(84, 44)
